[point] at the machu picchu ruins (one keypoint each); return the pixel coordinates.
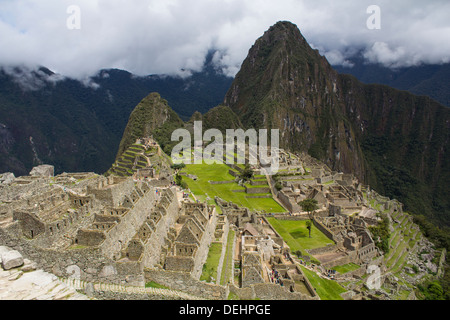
(109, 236)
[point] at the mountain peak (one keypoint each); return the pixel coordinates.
(280, 66)
(283, 30)
(153, 114)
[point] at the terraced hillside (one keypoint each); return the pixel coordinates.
(403, 240)
(410, 259)
(139, 156)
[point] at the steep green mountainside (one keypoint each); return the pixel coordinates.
(405, 141)
(152, 117)
(393, 140)
(55, 125)
(77, 125)
(220, 117)
(430, 80)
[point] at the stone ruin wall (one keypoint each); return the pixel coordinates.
(86, 264)
(287, 203)
(324, 229)
(251, 268)
(154, 246)
(185, 282)
(268, 291)
(74, 211)
(202, 251)
(196, 249)
(130, 222)
(96, 263)
(111, 195)
(221, 235)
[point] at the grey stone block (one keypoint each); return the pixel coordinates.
(11, 259)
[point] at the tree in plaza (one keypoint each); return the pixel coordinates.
(309, 205)
(308, 226)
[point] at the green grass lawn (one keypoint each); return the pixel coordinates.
(153, 284)
(346, 268)
(296, 234)
(212, 262)
(326, 289)
(219, 172)
(228, 263)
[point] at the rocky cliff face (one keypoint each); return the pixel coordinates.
(285, 84)
(393, 140)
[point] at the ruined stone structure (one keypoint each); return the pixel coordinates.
(128, 231)
(90, 226)
(329, 188)
(354, 243)
(188, 250)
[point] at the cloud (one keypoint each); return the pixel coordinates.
(31, 79)
(168, 36)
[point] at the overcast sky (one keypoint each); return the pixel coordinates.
(164, 36)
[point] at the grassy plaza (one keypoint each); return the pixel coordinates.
(202, 188)
(296, 235)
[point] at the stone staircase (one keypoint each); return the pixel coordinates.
(169, 294)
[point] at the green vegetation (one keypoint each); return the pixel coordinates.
(396, 179)
(247, 173)
(381, 234)
(232, 296)
(151, 117)
(227, 263)
(309, 205)
(326, 289)
(346, 268)
(153, 284)
(178, 166)
(212, 262)
(440, 236)
(308, 226)
(295, 234)
(432, 290)
(278, 186)
(219, 172)
(179, 181)
(221, 118)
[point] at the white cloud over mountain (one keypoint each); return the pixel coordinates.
(166, 36)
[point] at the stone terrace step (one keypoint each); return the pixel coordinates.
(170, 294)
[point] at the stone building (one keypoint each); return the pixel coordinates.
(353, 241)
(188, 251)
(89, 226)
